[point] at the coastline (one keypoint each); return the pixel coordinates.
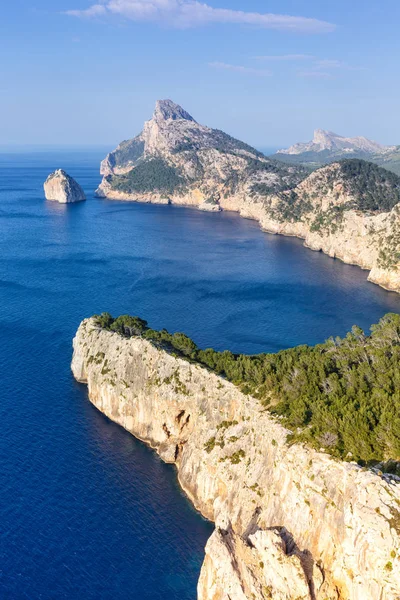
(326, 507)
(337, 249)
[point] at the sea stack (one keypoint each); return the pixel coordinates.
(60, 187)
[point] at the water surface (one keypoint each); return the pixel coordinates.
(85, 510)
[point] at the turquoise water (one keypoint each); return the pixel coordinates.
(86, 511)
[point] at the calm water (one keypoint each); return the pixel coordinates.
(85, 510)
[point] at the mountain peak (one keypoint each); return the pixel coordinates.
(324, 141)
(167, 109)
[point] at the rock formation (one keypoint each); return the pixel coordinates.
(176, 160)
(291, 523)
(60, 187)
(327, 147)
(327, 140)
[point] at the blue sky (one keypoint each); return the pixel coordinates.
(81, 72)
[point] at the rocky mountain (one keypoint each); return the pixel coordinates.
(60, 187)
(175, 159)
(327, 140)
(327, 147)
(292, 523)
(348, 209)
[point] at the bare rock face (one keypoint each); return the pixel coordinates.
(291, 523)
(177, 160)
(60, 187)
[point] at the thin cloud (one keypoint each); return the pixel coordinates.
(336, 64)
(314, 74)
(240, 69)
(328, 64)
(192, 13)
(285, 57)
(327, 69)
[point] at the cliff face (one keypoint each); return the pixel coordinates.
(291, 523)
(176, 160)
(60, 187)
(324, 211)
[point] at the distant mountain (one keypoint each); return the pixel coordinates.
(327, 140)
(327, 147)
(349, 209)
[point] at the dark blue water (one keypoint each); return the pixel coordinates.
(85, 510)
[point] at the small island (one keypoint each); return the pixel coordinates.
(60, 187)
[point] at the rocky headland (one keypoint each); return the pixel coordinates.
(60, 187)
(292, 523)
(348, 209)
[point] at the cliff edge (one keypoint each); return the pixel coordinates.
(291, 522)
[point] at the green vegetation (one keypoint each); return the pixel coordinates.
(315, 160)
(226, 143)
(210, 445)
(389, 247)
(187, 145)
(150, 175)
(128, 152)
(285, 178)
(374, 188)
(342, 395)
(390, 161)
(216, 139)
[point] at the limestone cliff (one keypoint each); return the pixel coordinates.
(59, 186)
(291, 523)
(349, 210)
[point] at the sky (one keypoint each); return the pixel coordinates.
(269, 72)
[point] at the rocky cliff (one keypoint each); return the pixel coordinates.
(59, 186)
(176, 160)
(291, 523)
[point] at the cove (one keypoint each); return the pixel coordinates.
(86, 510)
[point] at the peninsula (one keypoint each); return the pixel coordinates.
(292, 522)
(348, 209)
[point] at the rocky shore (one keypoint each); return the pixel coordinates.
(349, 210)
(291, 523)
(60, 187)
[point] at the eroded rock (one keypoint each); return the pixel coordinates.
(288, 519)
(60, 187)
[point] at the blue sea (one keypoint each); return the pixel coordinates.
(86, 511)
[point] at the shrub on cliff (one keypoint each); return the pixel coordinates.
(150, 175)
(343, 395)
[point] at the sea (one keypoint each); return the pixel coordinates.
(86, 511)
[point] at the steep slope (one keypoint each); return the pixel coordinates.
(291, 522)
(348, 209)
(60, 187)
(175, 159)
